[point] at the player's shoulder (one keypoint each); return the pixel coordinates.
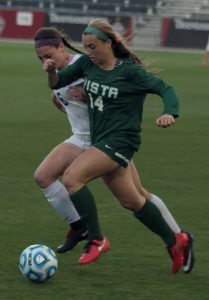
(129, 63)
(82, 59)
(131, 68)
(74, 57)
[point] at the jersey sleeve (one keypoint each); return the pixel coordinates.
(70, 73)
(148, 83)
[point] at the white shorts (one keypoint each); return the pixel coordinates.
(80, 140)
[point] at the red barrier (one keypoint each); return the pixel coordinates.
(20, 24)
(23, 24)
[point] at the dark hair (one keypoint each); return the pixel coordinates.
(54, 33)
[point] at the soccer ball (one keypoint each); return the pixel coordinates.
(38, 263)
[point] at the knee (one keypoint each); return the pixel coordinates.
(71, 181)
(133, 204)
(40, 178)
(127, 205)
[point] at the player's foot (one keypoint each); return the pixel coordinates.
(189, 258)
(93, 250)
(72, 239)
(177, 251)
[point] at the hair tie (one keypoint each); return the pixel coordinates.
(117, 38)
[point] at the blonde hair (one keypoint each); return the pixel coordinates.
(119, 48)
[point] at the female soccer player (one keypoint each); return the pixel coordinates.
(115, 136)
(50, 43)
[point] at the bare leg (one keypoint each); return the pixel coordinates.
(46, 175)
(55, 163)
(94, 163)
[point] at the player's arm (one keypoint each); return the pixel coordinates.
(171, 106)
(66, 76)
(49, 66)
(154, 85)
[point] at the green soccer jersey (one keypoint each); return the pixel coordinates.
(116, 98)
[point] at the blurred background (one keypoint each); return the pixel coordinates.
(143, 23)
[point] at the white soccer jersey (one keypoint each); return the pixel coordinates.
(77, 111)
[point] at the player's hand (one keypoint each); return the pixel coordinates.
(49, 66)
(165, 121)
(77, 92)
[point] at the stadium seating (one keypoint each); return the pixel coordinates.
(124, 7)
(186, 9)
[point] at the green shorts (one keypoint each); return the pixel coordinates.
(116, 151)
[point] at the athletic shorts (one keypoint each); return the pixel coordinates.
(82, 141)
(116, 151)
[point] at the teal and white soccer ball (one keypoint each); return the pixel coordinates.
(38, 263)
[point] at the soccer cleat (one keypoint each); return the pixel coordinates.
(189, 258)
(72, 239)
(177, 251)
(93, 250)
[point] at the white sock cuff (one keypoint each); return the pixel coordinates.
(165, 213)
(53, 189)
(153, 197)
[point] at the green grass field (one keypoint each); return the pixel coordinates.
(173, 164)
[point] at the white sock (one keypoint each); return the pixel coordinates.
(58, 197)
(165, 213)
